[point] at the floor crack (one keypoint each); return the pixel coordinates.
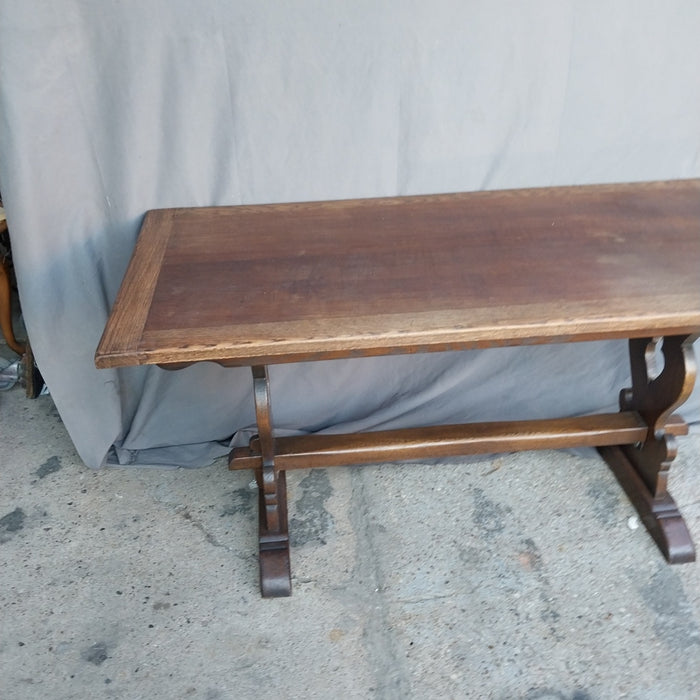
(184, 512)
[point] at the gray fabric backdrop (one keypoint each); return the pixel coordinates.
(112, 108)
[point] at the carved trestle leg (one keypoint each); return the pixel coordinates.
(275, 574)
(642, 469)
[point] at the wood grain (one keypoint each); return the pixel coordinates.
(125, 325)
(320, 280)
(309, 451)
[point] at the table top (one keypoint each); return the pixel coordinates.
(258, 284)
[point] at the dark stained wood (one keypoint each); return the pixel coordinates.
(274, 558)
(642, 469)
(306, 451)
(255, 285)
(321, 280)
(657, 395)
(275, 572)
(660, 515)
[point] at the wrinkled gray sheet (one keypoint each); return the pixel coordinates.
(112, 108)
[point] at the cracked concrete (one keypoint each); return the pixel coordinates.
(513, 577)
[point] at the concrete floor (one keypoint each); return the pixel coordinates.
(517, 577)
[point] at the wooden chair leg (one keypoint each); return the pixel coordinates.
(6, 312)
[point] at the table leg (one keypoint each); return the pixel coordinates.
(275, 573)
(642, 469)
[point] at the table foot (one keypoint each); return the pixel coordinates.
(642, 469)
(659, 514)
(275, 581)
(275, 570)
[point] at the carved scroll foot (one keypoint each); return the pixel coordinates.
(275, 570)
(660, 515)
(642, 469)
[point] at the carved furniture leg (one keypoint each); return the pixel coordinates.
(275, 574)
(642, 469)
(6, 311)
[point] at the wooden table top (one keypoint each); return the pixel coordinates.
(319, 280)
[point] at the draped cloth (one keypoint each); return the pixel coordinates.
(110, 109)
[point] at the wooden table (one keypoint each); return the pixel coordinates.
(257, 285)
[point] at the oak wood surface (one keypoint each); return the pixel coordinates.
(307, 451)
(318, 280)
